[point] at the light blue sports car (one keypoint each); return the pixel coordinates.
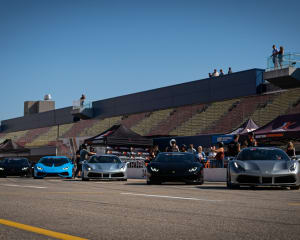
(52, 166)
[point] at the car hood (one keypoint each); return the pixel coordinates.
(106, 166)
(265, 166)
(53, 168)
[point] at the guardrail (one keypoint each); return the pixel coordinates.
(283, 61)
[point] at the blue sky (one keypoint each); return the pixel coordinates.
(108, 48)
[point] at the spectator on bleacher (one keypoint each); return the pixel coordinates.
(280, 55)
(200, 154)
(82, 98)
(220, 155)
(173, 146)
(251, 142)
(229, 70)
(191, 149)
(215, 73)
(183, 148)
(209, 75)
(221, 72)
(290, 150)
(274, 56)
(234, 147)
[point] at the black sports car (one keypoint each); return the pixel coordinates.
(15, 167)
(175, 167)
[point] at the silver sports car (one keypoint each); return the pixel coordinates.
(257, 166)
(104, 167)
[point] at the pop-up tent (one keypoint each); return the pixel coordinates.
(281, 130)
(248, 126)
(10, 148)
(119, 135)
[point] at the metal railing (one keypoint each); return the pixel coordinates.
(283, 61)
(78, 104)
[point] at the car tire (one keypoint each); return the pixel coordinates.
(34, 177)
(125, 179)
(84, 179)
(295, 187)
(229, 184)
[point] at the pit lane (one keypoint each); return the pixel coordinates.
(134, 210)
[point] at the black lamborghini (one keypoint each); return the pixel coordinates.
(175, 167)
(15, 167)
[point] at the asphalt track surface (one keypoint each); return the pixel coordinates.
(134, 210)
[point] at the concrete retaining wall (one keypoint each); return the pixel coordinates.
(210, 174)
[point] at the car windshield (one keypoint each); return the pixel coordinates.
(262, 154)
(21, 161)
(56, 161)
(175, 157)
(105, 159)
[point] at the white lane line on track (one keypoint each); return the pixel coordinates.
(171, 197)
(22, 186)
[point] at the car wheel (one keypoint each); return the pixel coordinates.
(229, 184)
(34, 177)
(295, 187)
(84, 179)
(125, 179)
(149, 183)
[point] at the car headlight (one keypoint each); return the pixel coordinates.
(194, 169)
(293, 167)
(24, 168)
(66, 168)
(123, 167)
(153, 169)
(39, 168)
(89, 168)
(1, 169)
(235, 164)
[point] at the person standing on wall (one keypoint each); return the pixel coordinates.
(274, 56)
(280, 56)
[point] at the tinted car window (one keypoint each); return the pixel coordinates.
(104, 159)
(21, 161)
(174, 157)
(56, 161)
(262, 154)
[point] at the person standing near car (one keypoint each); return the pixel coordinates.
(290, 150)
(234, 147)
(173, 147)
(84, 155)
(251, 142)
(220, 155)
(191, 149)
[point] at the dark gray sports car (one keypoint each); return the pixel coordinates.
(104, 167)
(258, 166)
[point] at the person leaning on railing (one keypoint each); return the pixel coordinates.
(280, 56)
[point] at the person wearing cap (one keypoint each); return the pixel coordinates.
(173, 146)
(84, 155)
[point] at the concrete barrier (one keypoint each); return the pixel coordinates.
(215, 174)
(210, 174)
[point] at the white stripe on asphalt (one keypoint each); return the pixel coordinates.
(13, 185)
(171, 197)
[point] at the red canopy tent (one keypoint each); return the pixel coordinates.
(281, 130)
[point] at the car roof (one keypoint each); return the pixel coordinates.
(56, 157)
(264, 148)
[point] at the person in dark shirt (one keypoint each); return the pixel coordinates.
(83, 155)
(290, 150)
(173, 146)
(251, 142)
(234, 147)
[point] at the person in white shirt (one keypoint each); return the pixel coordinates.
(215, 73)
